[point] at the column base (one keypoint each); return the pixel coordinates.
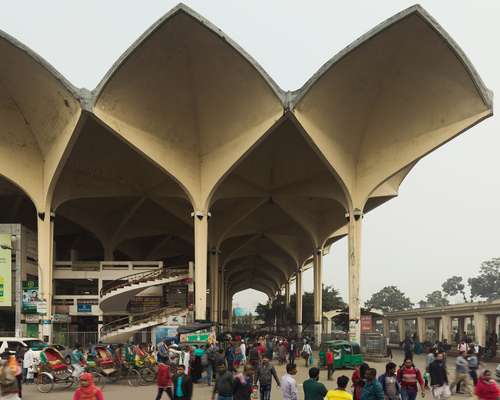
(317, 334)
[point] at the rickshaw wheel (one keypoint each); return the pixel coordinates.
(44, 383)
(99, 380)
(68, 382)
(148, 375)
(114, 377)
(133, 377)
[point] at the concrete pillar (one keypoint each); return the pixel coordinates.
(73, 255)
(200, 264)
(354, 255)
(222, 286)
(287, 295)
(318, 295)
(298, 302)
(45, 233)
(230, 314)
(386, 327)
(214, 285)
(480, 328)
(402, 329)
(446, 328)
(497, 325)
(421, 329)
(190, 291)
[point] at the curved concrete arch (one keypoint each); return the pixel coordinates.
(406, 68)
(256, 263)
(48, 109)
(248, 280)
(197, 134)
(256, 286)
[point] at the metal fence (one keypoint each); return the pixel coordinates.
(374, 344)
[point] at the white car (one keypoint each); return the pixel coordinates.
(11, 344)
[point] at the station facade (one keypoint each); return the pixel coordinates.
(189, 159)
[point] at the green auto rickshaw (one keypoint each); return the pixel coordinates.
(345, 354)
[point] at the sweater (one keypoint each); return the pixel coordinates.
(487, 390)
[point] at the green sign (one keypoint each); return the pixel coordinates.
(5, 270)
(30, 297)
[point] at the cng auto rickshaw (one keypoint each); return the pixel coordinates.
(345, 354)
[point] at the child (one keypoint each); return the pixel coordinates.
(87, 390)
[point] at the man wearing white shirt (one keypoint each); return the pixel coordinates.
(288, 383)
(243, 350)
(28, 364)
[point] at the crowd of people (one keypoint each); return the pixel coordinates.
(244, 369)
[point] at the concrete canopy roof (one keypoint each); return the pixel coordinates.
(186, 120)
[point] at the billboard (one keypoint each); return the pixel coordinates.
(366, 323)
(5, 270)
(30, 297)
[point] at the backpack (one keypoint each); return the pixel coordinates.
(7, 378)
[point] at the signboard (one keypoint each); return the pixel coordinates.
(61, 319)
(366, 323)
(30, 297)
(5, 270)
(85, 308)
(41, 307)
(32, 318)
(195, 337)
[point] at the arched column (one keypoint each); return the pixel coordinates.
(298, 302)
(214, 285)
(222, 285)
(318, 295)
(45, 236)
(287, 295)
(200, 264)
(355, 218)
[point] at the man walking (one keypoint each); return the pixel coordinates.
(224, 385)
(313, 389)
(329, 363)
(439, 378)
(288, 383)
(461, 375)
(264, 376)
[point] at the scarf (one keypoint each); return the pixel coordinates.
(87, 392)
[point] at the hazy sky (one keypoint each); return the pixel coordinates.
(446, 219)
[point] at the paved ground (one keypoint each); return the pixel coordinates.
(203, 392)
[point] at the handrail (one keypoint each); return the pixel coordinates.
(141, 318)
(140, 277)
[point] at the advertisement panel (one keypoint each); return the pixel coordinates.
(30, 297)
(366, 323)
(5, 270)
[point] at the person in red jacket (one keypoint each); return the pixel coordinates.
(486, 388)
(408, 377)
(87, 390)
(329, 363)
(164, 381)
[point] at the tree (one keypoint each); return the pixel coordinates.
(454, 286)
(434, 299)
(487, 283)
(331, 301)
(389, 299)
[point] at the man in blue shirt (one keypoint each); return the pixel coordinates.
(183, 386)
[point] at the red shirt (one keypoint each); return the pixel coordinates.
(164, 378)
(408, 378)
(329, 358)
(487, 391)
